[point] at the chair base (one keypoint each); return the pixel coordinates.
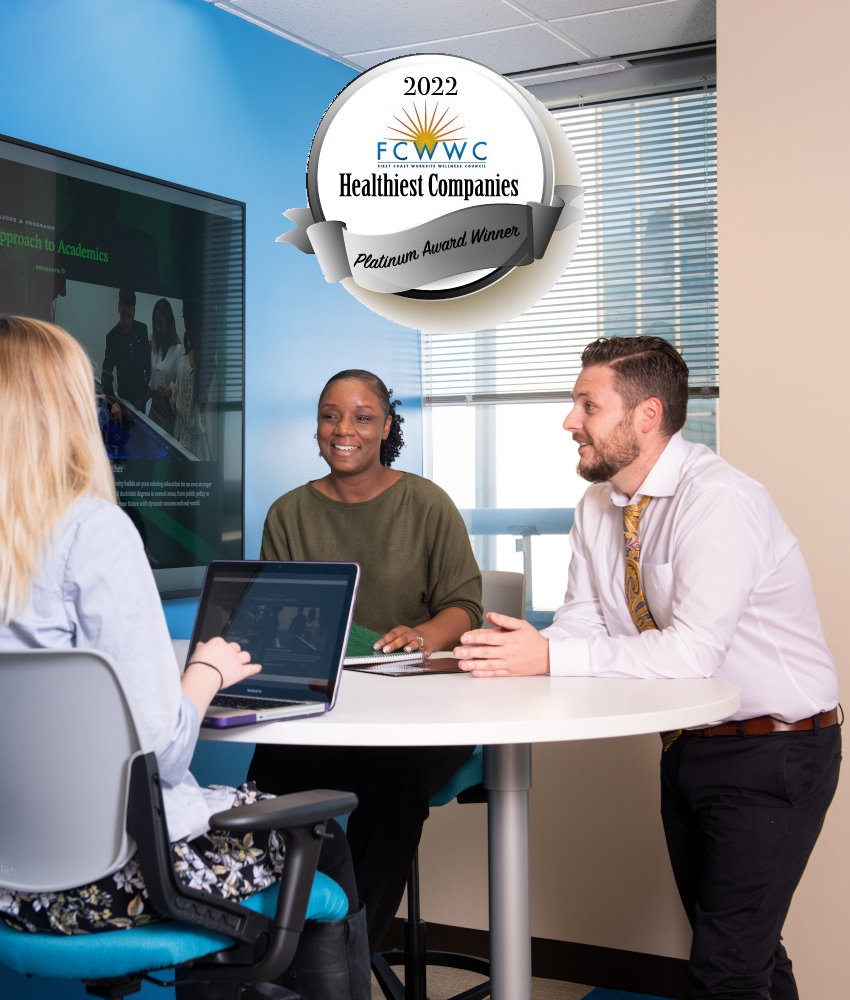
(415, 959)
(394, 989)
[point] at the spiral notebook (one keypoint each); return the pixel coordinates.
(361, 655)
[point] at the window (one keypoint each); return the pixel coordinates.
(646, 263)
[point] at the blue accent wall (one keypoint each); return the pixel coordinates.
(182, 91)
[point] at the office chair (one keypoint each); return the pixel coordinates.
(503, 592)
(82, 793)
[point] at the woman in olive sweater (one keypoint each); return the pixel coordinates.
(420, 589)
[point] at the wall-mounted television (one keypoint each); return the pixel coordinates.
(115, 257)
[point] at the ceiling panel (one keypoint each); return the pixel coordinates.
(640, 29)
(366, 25)
(506, 51)
(548, 10)
(509, 36)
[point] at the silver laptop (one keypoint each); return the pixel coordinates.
(294, 619)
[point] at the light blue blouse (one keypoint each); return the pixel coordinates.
(95, 590)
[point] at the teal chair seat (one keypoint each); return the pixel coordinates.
(468, 775)
(162, 945)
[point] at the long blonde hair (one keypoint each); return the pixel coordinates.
(51, 449)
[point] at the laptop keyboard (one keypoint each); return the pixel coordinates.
(239, 701)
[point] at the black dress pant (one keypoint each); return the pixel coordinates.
(393, 786)
(741, 816)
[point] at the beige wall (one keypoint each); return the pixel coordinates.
(598, 866)
(784, 199)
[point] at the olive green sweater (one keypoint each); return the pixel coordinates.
(410, 541)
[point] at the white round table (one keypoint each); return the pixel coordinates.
(506, 715)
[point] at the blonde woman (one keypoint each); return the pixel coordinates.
(62, 536)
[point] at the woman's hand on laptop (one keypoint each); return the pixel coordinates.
(213, 666)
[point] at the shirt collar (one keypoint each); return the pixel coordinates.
(663, 478)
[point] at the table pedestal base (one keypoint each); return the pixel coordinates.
(507, 778)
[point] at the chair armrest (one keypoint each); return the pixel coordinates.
(286, 811)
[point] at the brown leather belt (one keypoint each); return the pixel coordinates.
(766, 724)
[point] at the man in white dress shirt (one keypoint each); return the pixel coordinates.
(718, 588)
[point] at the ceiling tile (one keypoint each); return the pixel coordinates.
(506, 51)
(664, 24)
(548, 10)
(366, 25)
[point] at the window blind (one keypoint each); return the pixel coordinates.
(222, 317)
(645, 263)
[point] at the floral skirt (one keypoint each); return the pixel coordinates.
(218, 862)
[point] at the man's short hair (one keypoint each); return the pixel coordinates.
(126, 297)
(644, 367)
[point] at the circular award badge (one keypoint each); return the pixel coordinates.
(436, 189)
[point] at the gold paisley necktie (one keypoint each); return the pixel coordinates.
(638, 608)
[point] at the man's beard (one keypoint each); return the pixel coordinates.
(620, 450)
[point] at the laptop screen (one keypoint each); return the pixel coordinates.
(293, 618)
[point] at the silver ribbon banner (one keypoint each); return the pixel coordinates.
(476, 238)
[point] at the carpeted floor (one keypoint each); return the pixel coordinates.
(444, 983)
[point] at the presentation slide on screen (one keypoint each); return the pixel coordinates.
(149, 279)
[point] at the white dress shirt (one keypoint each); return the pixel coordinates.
(723, 577)
(95, 590)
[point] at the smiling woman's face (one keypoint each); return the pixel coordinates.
(351, 427)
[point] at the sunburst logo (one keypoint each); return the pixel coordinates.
(426, 129)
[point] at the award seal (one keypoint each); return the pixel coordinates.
(440, 194)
